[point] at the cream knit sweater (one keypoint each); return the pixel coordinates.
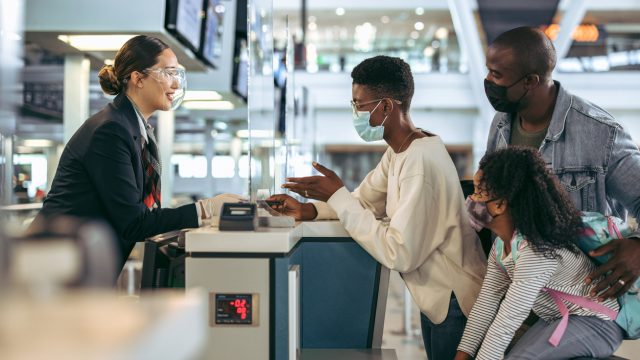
(409, 214)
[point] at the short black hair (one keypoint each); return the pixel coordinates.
(540, 207)
(388, 77)
(532, 49)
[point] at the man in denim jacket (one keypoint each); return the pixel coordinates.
(593, 156)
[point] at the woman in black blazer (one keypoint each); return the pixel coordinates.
(109, 168)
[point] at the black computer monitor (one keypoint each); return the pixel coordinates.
(163, 262)
(183, 19)
(211, 38)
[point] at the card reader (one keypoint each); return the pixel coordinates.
(238, 217)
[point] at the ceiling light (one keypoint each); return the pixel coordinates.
(340, 11)
(95, 42)
(109, 62)
(414, 35)
(419, 25)
(196, 95)
(411, 42)
(208, 105)
(313, 26)
(37, 143)
(220, 125)
(419, 11)
(384, 19)
(442, 33)
(255, 134)
(429, 51)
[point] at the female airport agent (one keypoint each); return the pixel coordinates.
(109, 169)
(426, 234)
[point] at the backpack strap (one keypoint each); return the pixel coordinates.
(581, 301)
(613, 228)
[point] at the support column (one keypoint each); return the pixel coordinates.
(11, 43)
(165, 135)
(76, 93)
(7, 174)
(209, 153)
(572, 17)
(53, 155)
(469, 39)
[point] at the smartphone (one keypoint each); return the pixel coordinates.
(274, 202)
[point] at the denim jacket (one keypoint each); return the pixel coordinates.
(594, 158)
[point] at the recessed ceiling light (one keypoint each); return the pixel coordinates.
(208, 105)
(442, 33)
(197, 95)
(255, 133)
(419, 11)
(340, 11)
(95, 42)
(419, 25)
(37, 143)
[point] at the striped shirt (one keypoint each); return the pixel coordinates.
(494, 320)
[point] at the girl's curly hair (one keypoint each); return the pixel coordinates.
(540, 208)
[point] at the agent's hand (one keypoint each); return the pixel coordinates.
(316, 187)
(211, 207)
(293, 207)
(620, 272)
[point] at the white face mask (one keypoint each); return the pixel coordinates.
(364, 129)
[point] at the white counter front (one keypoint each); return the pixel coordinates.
(268, 240)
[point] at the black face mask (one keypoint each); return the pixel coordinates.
(497, 96)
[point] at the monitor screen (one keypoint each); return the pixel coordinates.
(211, 45)
(184, 18)
(241, 69)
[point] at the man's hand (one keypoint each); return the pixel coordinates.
(620, 272)
(316, 187)
(293, 207)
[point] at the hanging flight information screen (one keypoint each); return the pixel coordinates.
(236, 309)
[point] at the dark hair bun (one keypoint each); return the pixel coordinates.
(109, 81)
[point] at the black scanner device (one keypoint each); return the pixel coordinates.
(238, 217)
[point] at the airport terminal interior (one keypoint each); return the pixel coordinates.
(260, 93)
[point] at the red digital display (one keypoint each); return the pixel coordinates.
(236, 309)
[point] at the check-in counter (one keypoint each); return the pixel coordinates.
(275, 291)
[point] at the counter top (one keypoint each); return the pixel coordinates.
(267, 240)
(100, 325)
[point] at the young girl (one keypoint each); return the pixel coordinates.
(534, 265)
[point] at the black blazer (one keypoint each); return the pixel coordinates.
(100, 176)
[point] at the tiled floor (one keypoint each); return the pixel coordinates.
(407, 346)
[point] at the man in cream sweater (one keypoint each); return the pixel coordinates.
(408, 212)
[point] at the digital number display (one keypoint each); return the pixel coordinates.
(234, 309)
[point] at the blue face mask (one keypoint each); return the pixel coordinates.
(364, 129)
